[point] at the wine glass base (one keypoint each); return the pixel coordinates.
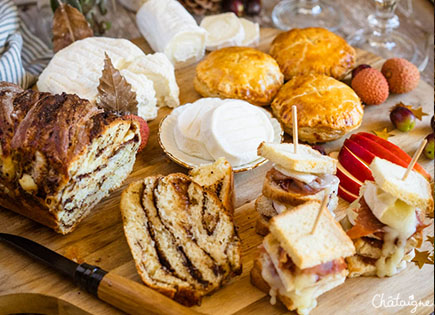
(290, 14)
(392, 45)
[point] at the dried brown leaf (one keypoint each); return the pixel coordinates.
(114, 91)
(69, 25)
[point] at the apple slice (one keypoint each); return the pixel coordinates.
(378, 150)
(359, 151)
(354, 165)
(347, 180)
(396, 151)
(346, 195)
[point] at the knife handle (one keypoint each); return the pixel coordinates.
(126, 295)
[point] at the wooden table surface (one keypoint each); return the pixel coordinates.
(355, 17)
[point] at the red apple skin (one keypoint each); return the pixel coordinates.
(378, 150)
(396, 151)
(346, 195)
(348, 183)
(354, 166)
(359, 151)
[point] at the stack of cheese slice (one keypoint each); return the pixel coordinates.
(226, 30)
(76, 69)
(211, 128)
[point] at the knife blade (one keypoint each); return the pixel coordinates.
(125, 294)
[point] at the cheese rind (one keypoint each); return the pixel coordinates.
(234, 130)
(223, 30)
(169, 28)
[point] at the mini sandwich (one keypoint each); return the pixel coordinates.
(387, 221)
(295, 265)
(294, 179)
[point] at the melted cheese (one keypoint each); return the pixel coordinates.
(303, 177)
(393, 253)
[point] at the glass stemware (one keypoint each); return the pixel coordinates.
(306, 13)
(382, 38)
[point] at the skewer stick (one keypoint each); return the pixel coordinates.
(414, 159)
(295, 127)
(322, 208)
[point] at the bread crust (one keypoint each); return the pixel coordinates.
(262, 225)
(327, 108)
(312, 50)
(239, 72)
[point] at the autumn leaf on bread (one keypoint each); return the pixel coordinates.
(69, 25)
(114, 92)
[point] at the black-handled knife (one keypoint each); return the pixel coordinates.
(127, 295)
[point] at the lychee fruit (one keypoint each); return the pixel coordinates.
(402, 75)
(371, 86)
(143, 129)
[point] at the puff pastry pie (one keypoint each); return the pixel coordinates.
(239, 72)
(327, 108)
(312, 50)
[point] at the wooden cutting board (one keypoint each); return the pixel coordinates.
(28, 287)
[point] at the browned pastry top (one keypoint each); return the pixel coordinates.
(312, 50)
(239, 72)
(55, 128)
(327, 108)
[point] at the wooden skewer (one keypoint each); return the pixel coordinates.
(295, 127)
(414, 159)
(322, 208)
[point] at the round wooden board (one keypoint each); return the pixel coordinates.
(28, 287)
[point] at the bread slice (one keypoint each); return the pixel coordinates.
(217, 177)
(273, 191)
(306, 159)
(415, 190)
(183, 240)
(293, 231)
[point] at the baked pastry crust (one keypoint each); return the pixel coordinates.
(239, 72)
(327, 108)
(312, 50)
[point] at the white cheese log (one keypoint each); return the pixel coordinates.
(169, 28)
(223, 30)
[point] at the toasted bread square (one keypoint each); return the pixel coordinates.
(293, 231)
(306, 159)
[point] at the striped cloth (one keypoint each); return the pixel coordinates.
(23, 56)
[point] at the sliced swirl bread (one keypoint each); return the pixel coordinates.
(182, 238)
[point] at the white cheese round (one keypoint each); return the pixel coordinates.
(252, 33)
(234, 130)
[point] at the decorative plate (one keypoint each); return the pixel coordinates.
(169, 146)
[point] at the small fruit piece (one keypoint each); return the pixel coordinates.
(356, 70)
(320, 149)
(429, 148)
(253, 7)
(402, 75)
(402, 118)
(143, 129)
(235, 6)
(371, 86)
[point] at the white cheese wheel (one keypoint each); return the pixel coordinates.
(223, 30)
(252, 33)
(77, 69)
(169, 28)
(234, 130)
(187, 132)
